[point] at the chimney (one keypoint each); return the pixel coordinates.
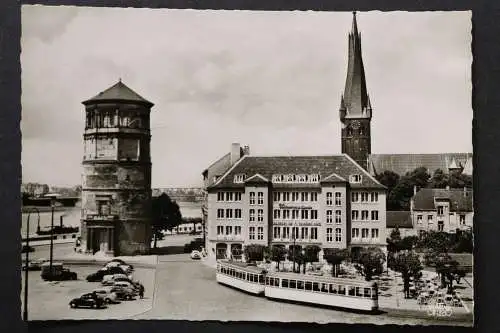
(246, 150)
(235, 153)
(414, 189)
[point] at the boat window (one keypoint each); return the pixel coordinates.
(261, 279)
(358, 292)
(300, 284)
(341, 289)
(276, 282)
(267, 281)
(284, 283)
(324, 287)
(375, 292)
(308, 285)
(293, 284)
(332, 288)
(315, 286)
(254, 278)
(351, 291)
(367, 292)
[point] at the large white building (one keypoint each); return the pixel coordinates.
(329, 201)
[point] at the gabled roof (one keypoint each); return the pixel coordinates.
(333, 178)
(119, 92)
(460, 199)
(257, 178)
(399, 219)
(403, 163)
(266, 166)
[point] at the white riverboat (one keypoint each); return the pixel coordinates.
(241, 276)
(320, 290)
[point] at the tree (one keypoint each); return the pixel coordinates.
(254, 252)
(439, 179)
(369, 262)
(166, 215)
(311, 254)
(388, 178)
(448, 269)
(278, 254)
(408, 264)
(393, 241)
(335, 257)
(295, 255)
(459, 180)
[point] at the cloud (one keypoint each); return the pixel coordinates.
(269, 79)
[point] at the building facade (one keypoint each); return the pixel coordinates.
(329, 201)
(402, 221)
(442, 210)
(116, 180)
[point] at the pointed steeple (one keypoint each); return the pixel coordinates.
(355, 93)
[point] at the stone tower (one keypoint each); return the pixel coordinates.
(355, 108)
(116, 180)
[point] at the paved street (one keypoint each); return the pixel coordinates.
(50, 300)
(187, 290)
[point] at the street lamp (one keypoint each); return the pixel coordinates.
(25, 312)
(293, 248)
(52, 205)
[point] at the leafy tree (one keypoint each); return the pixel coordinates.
(408, 264)
(408, 243)
(335, 257)
(278, 254)
(439, 179)
(459, 180)
(166, 215)
(254, 252)
(388, 178)
(394, 240)
(448, 269)
(464, 241)
(369, 262)
(295, 255)
(311, 254)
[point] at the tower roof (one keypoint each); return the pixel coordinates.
(119, 92)
(355, 94)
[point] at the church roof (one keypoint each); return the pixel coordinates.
(399, 219)
(460, 199)
(324, 166)
(355, 99)
(118, 92)
(403, 163)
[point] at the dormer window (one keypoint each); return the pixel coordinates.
(314, 178)
(240, 178)
(355, 179)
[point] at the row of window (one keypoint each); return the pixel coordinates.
(295, 196)
(330, 235)
(330, 288)
(305, 214)
(365, 233)
(305, 233)
(229, 230)
(291, 178)
(431, 217)
(260, 233)
(364, 197)
(364, 215)
(229, 196)
(250, 277)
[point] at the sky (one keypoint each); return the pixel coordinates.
(270, 80)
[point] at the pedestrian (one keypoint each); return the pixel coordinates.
(141, 291)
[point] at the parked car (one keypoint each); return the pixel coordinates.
(99, 275)
(109, 280)
(107, 295)
(195, 254)
(35, 265)
(121, 262)
(58, 273)
(195, 244)
(27, 249)
(87, 300)
(125, 267)
(122, 291)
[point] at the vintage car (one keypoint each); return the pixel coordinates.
(123, 291)
(35, 265)
(195, 254)
(90, 300)
(107, 295)
(99, 275)
(109, 280)
(58, 273)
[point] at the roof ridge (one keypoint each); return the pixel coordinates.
(229, 170)
(365, 171)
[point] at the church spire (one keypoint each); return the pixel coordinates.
(355, 93)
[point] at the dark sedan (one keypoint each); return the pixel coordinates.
(97, 276)
(89, 300)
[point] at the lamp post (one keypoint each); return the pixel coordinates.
(25, 312)
(293, 248)
(51, 256)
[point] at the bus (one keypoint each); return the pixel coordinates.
(320, 290)
(241, 276)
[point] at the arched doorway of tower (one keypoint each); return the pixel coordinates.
(220, 250)
(236, 251)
